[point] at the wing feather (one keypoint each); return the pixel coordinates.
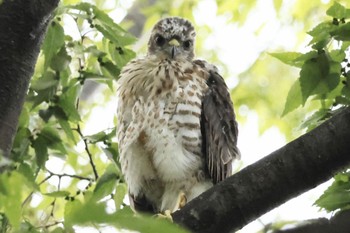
(219, 129)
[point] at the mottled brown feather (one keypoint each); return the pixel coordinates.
(219, 129)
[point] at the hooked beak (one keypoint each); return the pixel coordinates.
(174, 43)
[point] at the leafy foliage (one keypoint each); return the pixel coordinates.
(52, 126)
(324, 76)
(337, 196)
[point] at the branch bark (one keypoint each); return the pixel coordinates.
(23, 24)
(293, 169)
(337, 224)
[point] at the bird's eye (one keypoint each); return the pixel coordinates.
(160, 41)
(187, 44)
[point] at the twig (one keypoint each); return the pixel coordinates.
(88, 152)
(50, 225)
(68, 175)
(40, 183)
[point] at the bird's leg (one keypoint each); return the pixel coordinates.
(181, 202)
(165, 215)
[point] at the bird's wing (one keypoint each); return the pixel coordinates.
(219, 128)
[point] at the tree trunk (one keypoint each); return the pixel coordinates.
(23, 24)
(293, 169)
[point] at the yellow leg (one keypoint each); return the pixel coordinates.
(181, 202)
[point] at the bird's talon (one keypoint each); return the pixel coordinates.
(166, 215)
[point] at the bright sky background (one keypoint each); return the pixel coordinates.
(231, 42)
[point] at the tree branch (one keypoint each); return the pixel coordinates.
(337, 224)
(23, 24)
(293, 169)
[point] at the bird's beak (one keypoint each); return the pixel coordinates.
(175, 47)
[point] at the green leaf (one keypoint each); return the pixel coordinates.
(112, 152)
(23, 120)
(46, 114)
(57, 194)
(346, 91)
(21, 144)
(98, 137)
(67, 102)
(321, 34)
(11, 196)
(45, 87)
(54, 40)
(94, 76)
(321, 44)
(121, 56)
(318, 76)
(110, 70)
(125, 219)
(307, 56)
(28, 174)
(27, 228)
(101, 136)
(105, 24)
(40, 148)
(337, 196)
(294, 98)
(95, 51)
(121, 191)
(51, 135)
(105, 184)
(290, 58)
(342, 100)
(334, 201)
(79, 213)
(337, 11)
(310, 77)
(61, 60)
(342, 177)
(315, 119)
(67, 129)
(342, 32)
(337, 55)
(48, 80)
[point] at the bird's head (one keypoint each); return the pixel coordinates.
(172, 38)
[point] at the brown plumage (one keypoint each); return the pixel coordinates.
(176, 125)
(219, 129)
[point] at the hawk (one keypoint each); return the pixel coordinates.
(177, 131)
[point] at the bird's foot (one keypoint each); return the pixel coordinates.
(166, 215)
(181, 202)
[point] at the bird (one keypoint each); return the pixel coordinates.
(177, 130)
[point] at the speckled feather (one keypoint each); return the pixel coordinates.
(166, 105)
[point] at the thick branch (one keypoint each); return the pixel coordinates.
(22, 25)
(337, 224)
(299, 166)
